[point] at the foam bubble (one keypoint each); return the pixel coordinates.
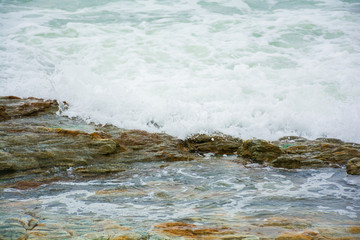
(250, 69)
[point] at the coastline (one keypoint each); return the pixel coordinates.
(40, 148)
(51, 141)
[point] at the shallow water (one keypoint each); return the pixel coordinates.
(262, 69)
(211, 192)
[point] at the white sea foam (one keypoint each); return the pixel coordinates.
(246, 68)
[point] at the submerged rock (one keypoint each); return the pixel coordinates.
(354, 230)
(306, 235)
(288, 223)
(24, 185)
(179, 229)
(215, 143)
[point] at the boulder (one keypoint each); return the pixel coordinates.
(322, 152)
(216, 143)
(259, 150)
(287, 222)
(353, 166)
(287, 161)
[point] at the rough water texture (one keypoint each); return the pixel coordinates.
(65, 179)
(247, 68)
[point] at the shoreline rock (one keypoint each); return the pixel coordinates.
(215, 143)
(39, 147)
(353, 166)
(33, 136)
(259, 150)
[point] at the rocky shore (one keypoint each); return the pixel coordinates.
(35, 138)
(39, 147)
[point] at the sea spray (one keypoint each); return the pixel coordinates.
(260, 69)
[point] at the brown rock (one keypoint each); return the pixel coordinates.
(100, 135)
(66, 131)
(10, 97)
(14, 107)
(219, 143)
(36, 138)
(345, 154)
(125, 237)
(104, 146)
(3, 114)
(99, 170)
(138, 139)
(171, 156)
(314, 163)
(190, 230)
(353, 166)
(23, 185)
(308, 235)
(32, 183)
(259, 150)
(144, 146)
(322, 152)
(287, 161)
(296, 149)
(29, 108)
(289, 223)
(354, 230)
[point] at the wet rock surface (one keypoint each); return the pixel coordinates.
(34, 137)
(323, 152)
(192, 231)
(214, 143)
(15, 107)
(259, 150)
(50, 164)
(353, 166)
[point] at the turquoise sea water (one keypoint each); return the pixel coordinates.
(249, 68)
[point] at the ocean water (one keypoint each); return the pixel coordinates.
(203, 192)
(249, 68)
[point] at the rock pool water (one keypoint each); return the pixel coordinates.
(213, 192)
